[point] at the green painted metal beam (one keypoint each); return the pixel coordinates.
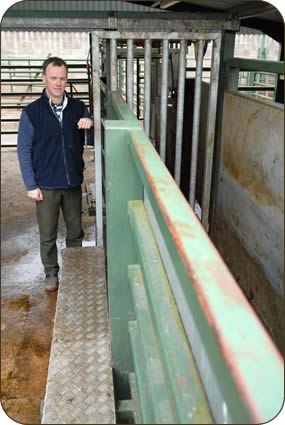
(261, 65)
(229, 344)
(188, 396)
(122, 110)
(122, 184)
(223, 330)
(158, 389)
(145, 403)
(135, 397)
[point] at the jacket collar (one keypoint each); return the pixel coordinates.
(66, 98)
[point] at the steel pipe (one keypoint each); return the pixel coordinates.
(196, 122)
(147, 85)
(163, 99)
(180, 110)
(97, 139)
(130, 75)
(113, 62)
(210, 134)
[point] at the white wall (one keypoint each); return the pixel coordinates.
(29, 44)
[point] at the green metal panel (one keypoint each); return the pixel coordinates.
(155, 398)
(146, 407)
(122, 184)
(135, 397)
(184, 381)
(159, 391)
(233, 339)
(230, 346)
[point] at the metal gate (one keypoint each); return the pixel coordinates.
(105, 44)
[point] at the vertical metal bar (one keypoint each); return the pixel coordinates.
(163, 99)
(121, 74)
(196, 122)
(113, 54)
(210, 134)
(97, 139)
(108, 65)
(227, 52)
(147, 85)
(180, 110)
(138, 88)
(130, 76)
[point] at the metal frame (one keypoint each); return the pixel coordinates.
(228, 342)
(97, 139)
(182, 37)
(121, 21)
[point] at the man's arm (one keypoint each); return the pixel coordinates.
(86, 122)
(24, 149)
(89, 124)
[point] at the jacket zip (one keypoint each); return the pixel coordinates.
(64, 158)
(62, 143)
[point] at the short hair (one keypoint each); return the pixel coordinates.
(56, 61)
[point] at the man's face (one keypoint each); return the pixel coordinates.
(55, 79)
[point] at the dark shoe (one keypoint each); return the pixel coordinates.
(51, 283)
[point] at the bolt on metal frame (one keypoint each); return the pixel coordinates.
(183, 38)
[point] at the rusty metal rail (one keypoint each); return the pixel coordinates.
(172, 298)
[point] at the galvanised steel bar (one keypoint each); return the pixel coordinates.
(196, 122)
(130, 73)
(158, 35)
(197, 22)
(163, 99)
(180, 110)
(121, 76)
(113, 64)
(138, 86)
(147, 85)
(97, 139)
(210, 133)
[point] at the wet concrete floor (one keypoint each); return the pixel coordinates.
(27, 310)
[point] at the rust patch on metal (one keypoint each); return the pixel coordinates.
(180, 380)
(185, 230)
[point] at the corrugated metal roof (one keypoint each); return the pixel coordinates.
(84, 6)
(227, 5)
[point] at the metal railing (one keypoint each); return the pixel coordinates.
(109, 40)
(21, 84)
(236, 67)
(183, 334)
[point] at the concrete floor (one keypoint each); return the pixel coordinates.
(27, 311)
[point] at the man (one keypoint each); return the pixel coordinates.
(50, 150)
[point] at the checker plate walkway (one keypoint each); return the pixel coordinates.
(79, 384)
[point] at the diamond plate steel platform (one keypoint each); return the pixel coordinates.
(79, 385)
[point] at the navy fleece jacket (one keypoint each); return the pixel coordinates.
(49, 151)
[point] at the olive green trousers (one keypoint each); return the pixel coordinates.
(69, 201)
